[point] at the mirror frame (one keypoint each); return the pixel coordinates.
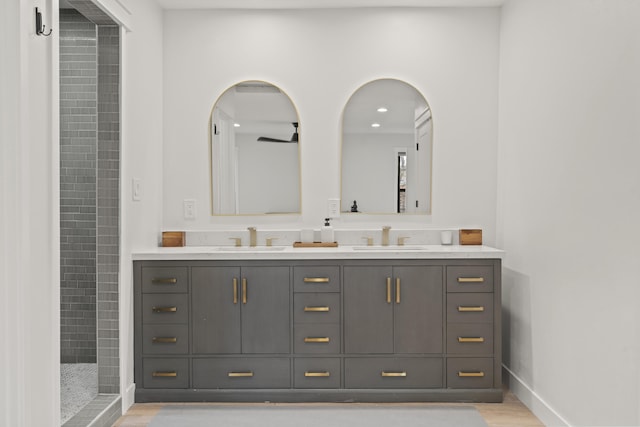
(429, 210)
(210, 151)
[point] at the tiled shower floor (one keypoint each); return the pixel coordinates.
(78, 386)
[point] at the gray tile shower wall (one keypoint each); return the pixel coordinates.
(78, 127)
(108, 207)
(89, 199)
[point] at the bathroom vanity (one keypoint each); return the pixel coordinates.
(330, 324)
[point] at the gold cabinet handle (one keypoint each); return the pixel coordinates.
(240, 374)
(164, 309)
(235, 290)
(317, 339)
(463, 374)
(244, 290)
(466, 309)
(164, 280)
(397, 291)
(164, 374)
(316, 280)
(393, 374)
(316, 309)
(164, 340)
(471, 339)
(470, 279)
(317, 374)
(388, 290)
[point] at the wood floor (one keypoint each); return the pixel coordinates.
(510, 413)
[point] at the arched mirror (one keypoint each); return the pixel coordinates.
(255, 161)
(386, 150)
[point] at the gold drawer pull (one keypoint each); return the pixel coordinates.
(316, 309)
(164, 309)
(388, 290)
(317, 374)
(479, 374)
(316, 280)
(161, 374)
(466, 309)
(471, 339)
(164, 280)
(244, 290)
(235, 290)
(470, 279)
(240, 374)
(316, 339)
(393, 374)
(164, 340)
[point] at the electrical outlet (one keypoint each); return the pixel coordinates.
(189, 207)
(333, 208)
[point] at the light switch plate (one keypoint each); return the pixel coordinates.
(136, 189)
(333, 208)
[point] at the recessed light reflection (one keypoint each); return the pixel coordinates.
(236, 125)
(382, 110)
(375, 125)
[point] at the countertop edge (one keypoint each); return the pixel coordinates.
(342, 252)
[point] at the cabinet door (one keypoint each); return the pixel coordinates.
(265, 310)
(216, 309)
(418, 309)
(368, 309)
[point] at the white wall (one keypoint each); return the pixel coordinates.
(319, 58)
(29, 248)
(569, 203)
(141, 158)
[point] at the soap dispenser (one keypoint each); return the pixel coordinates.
(326, 232)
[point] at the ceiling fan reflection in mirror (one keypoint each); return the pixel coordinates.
(294, 137)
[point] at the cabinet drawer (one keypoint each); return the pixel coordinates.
(470, 338)
(165, 339)
(316, 308)
(469, 308)
(165, 373)
(316, 338)
(470, 372)
(316, 372)
(165, 308)
(393, 372)
(165, 279)
(316, 279)
(242, 373)
(470, 278)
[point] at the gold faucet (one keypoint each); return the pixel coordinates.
(385, 235)
(253, 236)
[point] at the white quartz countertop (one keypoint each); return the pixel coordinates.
(341, 252)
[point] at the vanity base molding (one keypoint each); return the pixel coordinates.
(324, 396)
(391, 330)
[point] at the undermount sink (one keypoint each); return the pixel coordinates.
(250, 248)
(395, 248)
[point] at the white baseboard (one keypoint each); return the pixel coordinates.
(128, 397)
(533, 401)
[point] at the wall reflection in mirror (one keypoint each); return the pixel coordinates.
(386, 150)
(255, 162)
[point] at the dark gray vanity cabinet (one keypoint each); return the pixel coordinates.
(240, 310)
(393, 309)
(368, 330)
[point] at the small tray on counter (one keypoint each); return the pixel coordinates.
(315, 245)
